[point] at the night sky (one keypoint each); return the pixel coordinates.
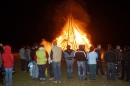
(26, 22)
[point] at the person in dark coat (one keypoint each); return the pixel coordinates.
(125, 63)
(118, 60)
(110, 59)
(99, 63)
(80, 56)
(33, 51)
(1, 48)
(1, 51)
(27, 57)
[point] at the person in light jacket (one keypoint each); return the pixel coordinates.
(92, 56)
(56, 55)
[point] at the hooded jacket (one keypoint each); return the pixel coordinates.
(7, 57)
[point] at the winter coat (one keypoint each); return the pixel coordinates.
(33, 69)
(126, 58)
(32, 53)
(98, 51)
(7, 57)
(118, 54)
(69, 54)
(92, 56)
(41, 56)
(56, 54)
(27, 55)
(80, 55)
(110, 56)
(21, 53)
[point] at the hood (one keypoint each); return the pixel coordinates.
(7, 49)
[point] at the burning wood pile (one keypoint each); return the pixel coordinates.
(72, 35)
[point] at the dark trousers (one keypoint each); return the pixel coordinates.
(92, 68)
(125, 69)
(27, 68)
(42, 69)
(99, 66)
(110, 71)
(23, 64)
(51, 70)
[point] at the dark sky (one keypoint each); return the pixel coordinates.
(26, 22)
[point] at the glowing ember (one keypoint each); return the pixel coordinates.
(73, 36)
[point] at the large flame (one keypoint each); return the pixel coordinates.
(73, 35)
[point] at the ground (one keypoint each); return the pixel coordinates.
(24, 79)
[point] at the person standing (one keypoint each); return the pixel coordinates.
(41, 57)
(8, 60)
(92, 56)
(0, 60)
(69, 58)
(99, 63)
(51, 70)
(1, 51)
(125, 63)
(22, 58)
(110, 59)
(118, 60)
(27, 57)
(1, 48)
(56, 55)
(80, 56)
(33, 51)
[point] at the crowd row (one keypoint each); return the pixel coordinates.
(35, 61)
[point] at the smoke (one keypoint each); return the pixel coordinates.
(78, 11)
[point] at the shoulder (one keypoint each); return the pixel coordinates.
(65, 50)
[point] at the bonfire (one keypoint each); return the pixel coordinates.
(72, 35)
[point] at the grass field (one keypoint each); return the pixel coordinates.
(24, 79)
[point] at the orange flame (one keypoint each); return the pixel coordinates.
(73, 35)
